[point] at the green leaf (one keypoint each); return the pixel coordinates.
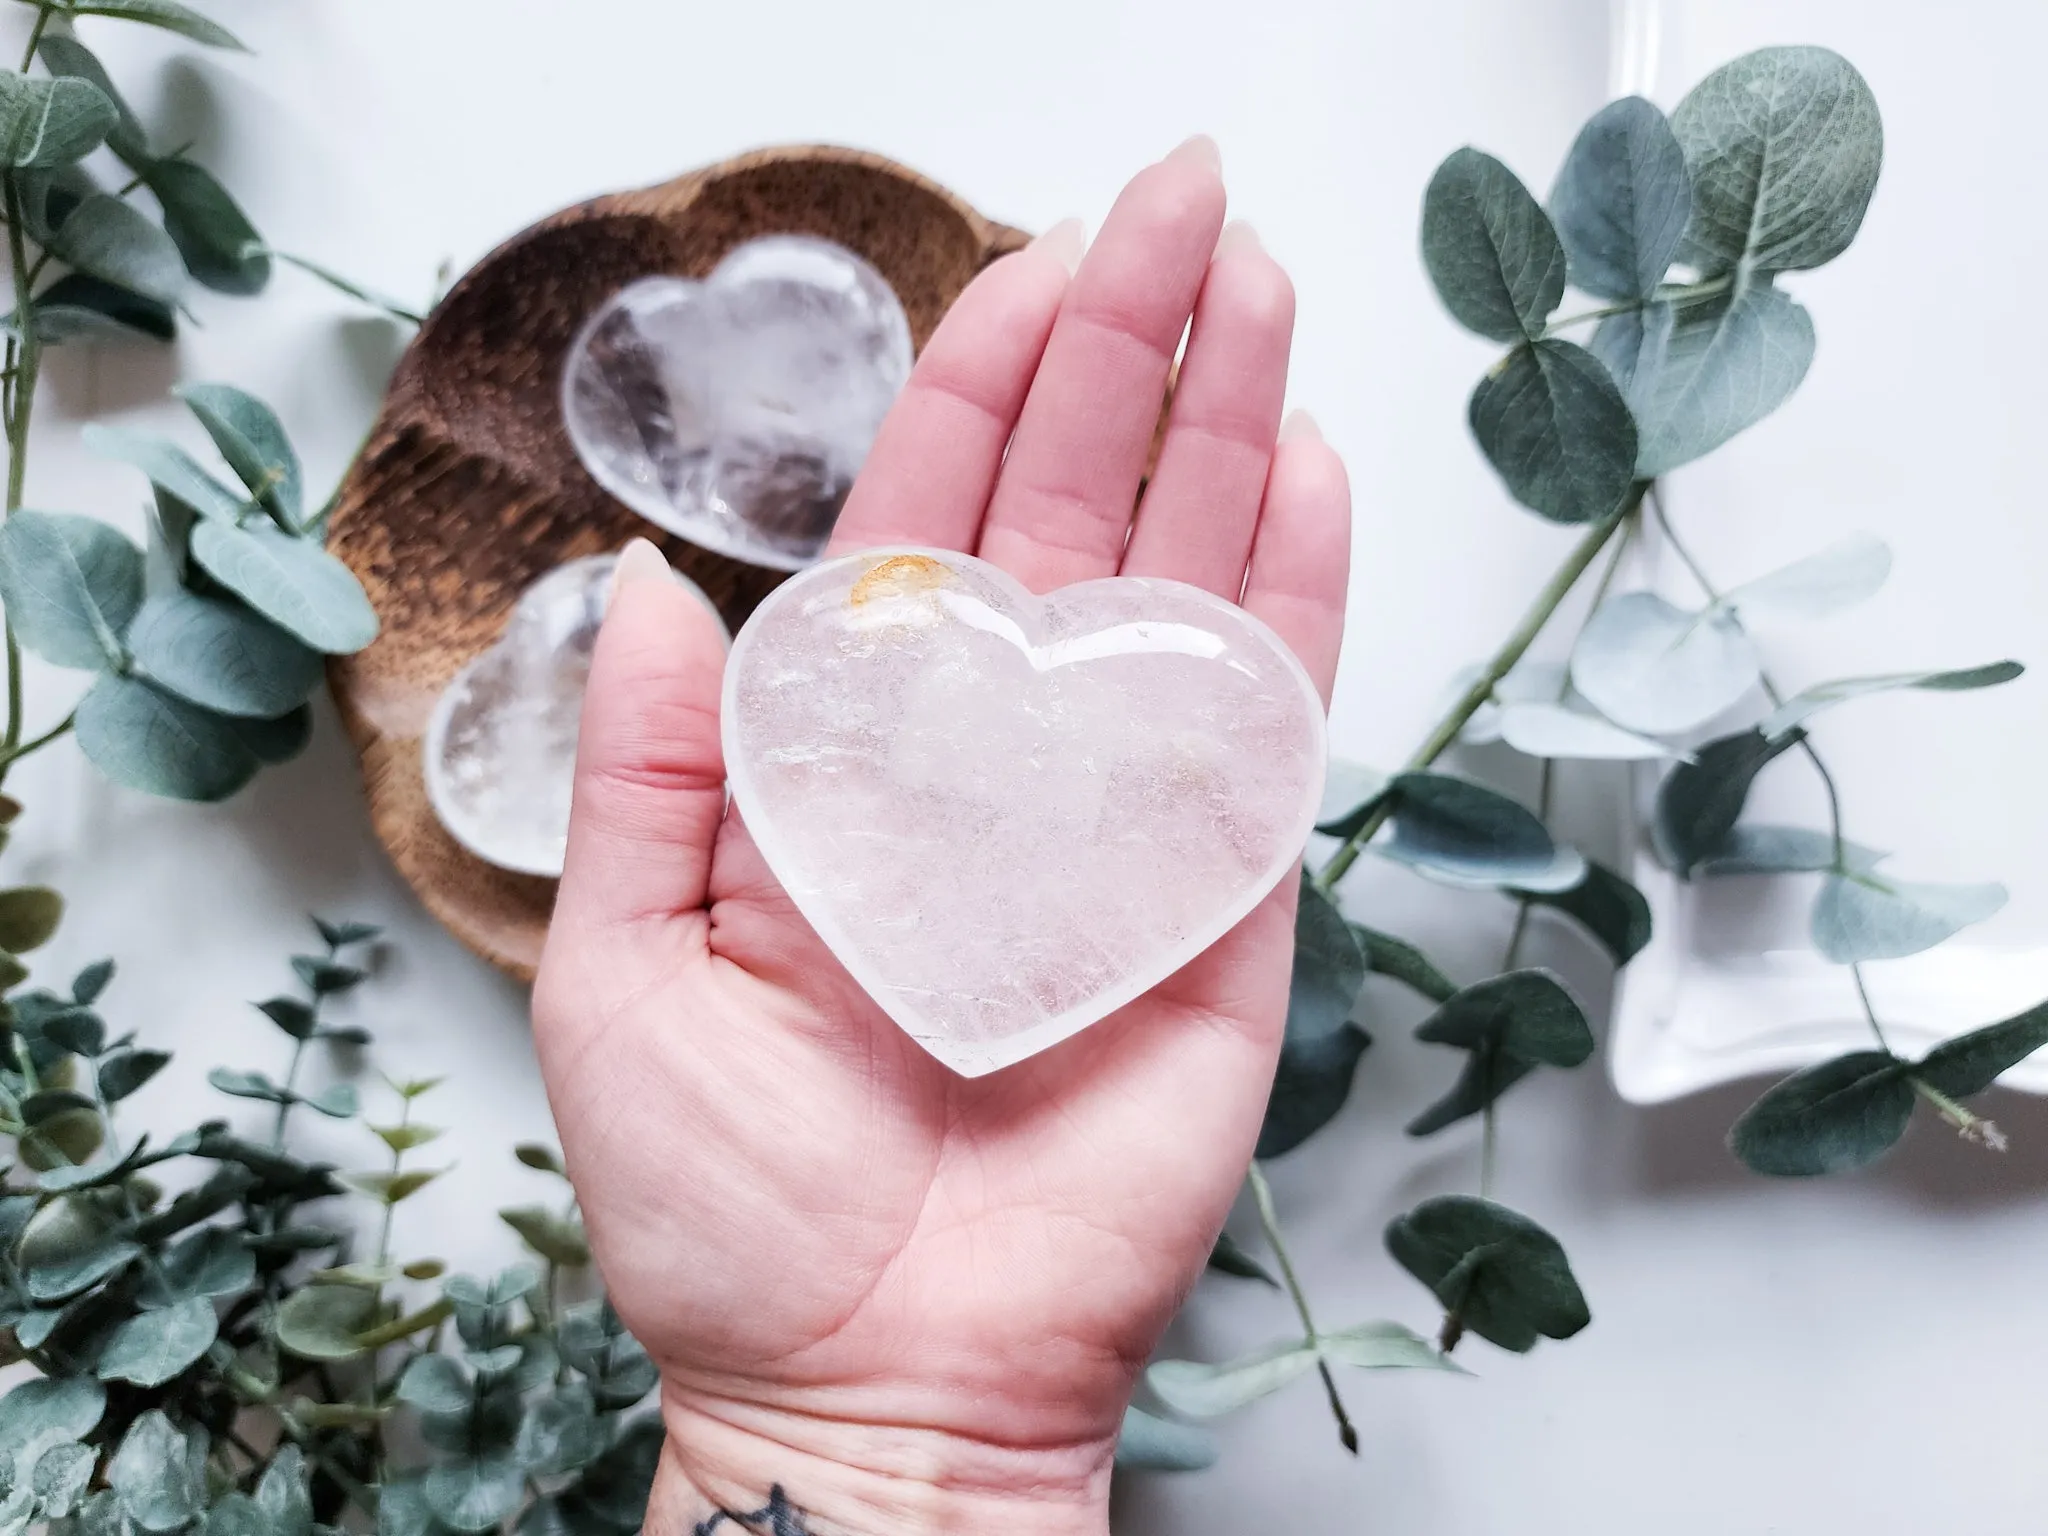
(289, 1014)
(217, 654)
(1829, 1118)
(1809, 702)
(324, 977)
(320, 1322)
(167, 14)
(341, 935)
(390, 1188)
(152, 1347)
(614, 1490)
(544, 1159)
(159, 1473)
(126, 1071)
(71, 585)
(1968, 1064)
(47, 1411)
(1471, 835)
(596, 1345)
(71, 1245)
(140, 736)
(71, 1137)
(250, 1085)
(1544, 728)
(77, 307)
(1489, 248)
(253, 441)
(1494, 1270)
(1622, 201)
(274, 741)
(51, 122)
(213, 1261)
(222, 249)
(1864, 917)
(234, 1513)
(1205, 1391)
(1350, 792)
(1651, 666)
(1554, 425)
(63, 1474)
(291, 581)
(475, 1493)
(404, 1138)
(90, 982)
(436, 1384)
(1396, 958)
(1511, 1025)
(29, 915)
(1384, 1347)
(561, 1433)
(1696, 374)
(111, 239)
(1784, 146)
(558, 1239)
(63, 54)
(395, 308)
(1230, 1257)
(169, 468)
(1761, 849)
(1608, 907)
(1148, 1443)
(337, 1102)
(1697, 805)
(1819, 587)
(1319, 1053)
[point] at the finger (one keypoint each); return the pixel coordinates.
(650, 777)
(1301, 552)
(1063, 504)
(928, 477)
(1195, 524)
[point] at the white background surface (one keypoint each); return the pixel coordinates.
(1864, 1355)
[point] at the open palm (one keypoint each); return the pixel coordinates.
(855, 1268)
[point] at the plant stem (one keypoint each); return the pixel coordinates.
(11, 755)
(1269, 1219)
(21, 401)
(35, 39)
(1869, 1012)
(1970, 1126)
(1688, 293)
(1512, 650)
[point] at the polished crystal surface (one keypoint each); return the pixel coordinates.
(736, 411)
(500, 750)
(1006, 815)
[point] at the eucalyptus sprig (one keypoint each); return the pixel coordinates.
(1677, 232)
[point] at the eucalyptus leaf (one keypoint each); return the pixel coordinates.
(436, 1384)
(1761, 849)
(1607, 906)
(113, 240)
(253, 441)
(167, 14)
(1148, 1443)
(29, 915)
(51, 122)
(1309, 1087)
(221, 248)
(1695, 374)
(282, 1494)
(1349, 791)
(139, 735)
(1859, 917)
(474, 1493)
(213, 1261)
(1818, 587)
(1490, 249)
(1784, 145)
(153, 1346)
(320, 1322)
(274, 741)
(1559, 731)
(291, 581)
(1968, 1064)
(1699, 802)
(1384, 1347)
(1809, 702)
(46, 1411)
(159, 1473)
(122, 1073)
(1205, 1391)
(77, 307)
(71, 586)
(169, 467)
(560, 1433)
(1495, 1271)
(1397, 959)
(1467, 833)
(1320, 1049)
(1528, 682)
(556, 1238)
(1622, 201)
(1832, 1117)
(63, 54)
(1230, 1257)
(1510, 1025)
(62, 1475)
(395, 308)
(216, 653)
(1552, 422)
(1653, 667)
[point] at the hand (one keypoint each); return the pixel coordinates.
(910, 1300)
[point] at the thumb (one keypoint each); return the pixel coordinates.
(650, 776)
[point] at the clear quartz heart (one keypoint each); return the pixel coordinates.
(499, 756)
(735, 412)
(1007, 815)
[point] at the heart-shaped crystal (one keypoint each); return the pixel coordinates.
(500, 751)
(1008, 815)
(735, 412)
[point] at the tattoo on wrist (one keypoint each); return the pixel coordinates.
(779, 1518)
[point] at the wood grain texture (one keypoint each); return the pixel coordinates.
(469, 490)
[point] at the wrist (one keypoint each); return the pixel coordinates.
(736, 1469)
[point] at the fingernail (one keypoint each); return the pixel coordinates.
(1199, 150)
(1299, 424)
(1065, 242)
(1238, 237)
(638, 561)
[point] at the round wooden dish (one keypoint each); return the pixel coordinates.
(469, 490)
